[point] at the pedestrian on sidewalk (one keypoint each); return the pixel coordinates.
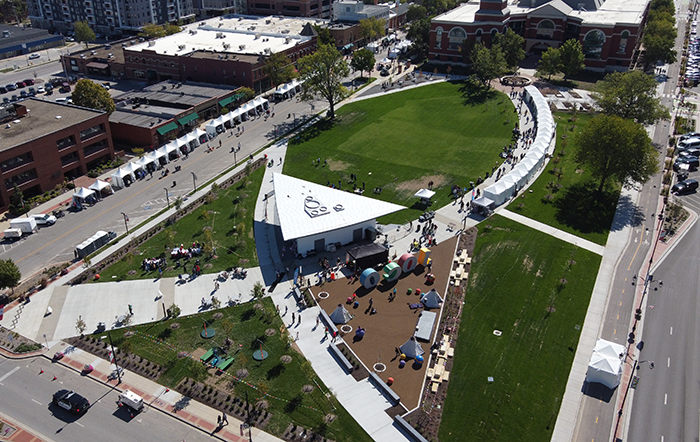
(293, 318)
(317, 321)
(286, 308)
(224, 419)
(299, 318)
(297, 337)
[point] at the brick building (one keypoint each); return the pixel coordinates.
(609, 30)
(162, 112)
(43, 143)
(226, 50)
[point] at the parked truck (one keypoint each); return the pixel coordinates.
(13, 234)
(26, 225)
(132, 401)
(93, 243)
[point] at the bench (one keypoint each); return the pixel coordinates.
(328, 322)
(408, 429)
(394, 398)
(224, 363)
(297, 294)
(208, 355)
(335, 351)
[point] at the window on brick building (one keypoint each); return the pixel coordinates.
(545, 30)
(623, 42)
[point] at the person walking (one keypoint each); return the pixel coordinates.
(293, 318)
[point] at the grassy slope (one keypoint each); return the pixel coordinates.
(426, 131)
(514, 281)
(234, 207)
(247, 325)
(576, 207)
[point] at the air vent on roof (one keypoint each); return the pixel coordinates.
(151, 43)
(58, 117)
(287, 40)
(241, 47)
(257, 36)
(285, 31)
(93, 52)
(181, 47)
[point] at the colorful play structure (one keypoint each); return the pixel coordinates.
(216, 360)
(369, 278)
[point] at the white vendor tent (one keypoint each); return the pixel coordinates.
(431, 299)
(82, 194)
(499, 192)
(372, 47)
(119, 175)
(424, 194)
(340, 315)
(143, 162)
(132, 167)
(412, 348)
(261, 102)
(202, 136)
(99, 186)
(606, 363)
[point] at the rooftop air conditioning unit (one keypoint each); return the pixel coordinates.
(241, 47)
(93, 52)
(287, 40)
(151, 43)
(181, 47)
(268, 51)
(257, 36)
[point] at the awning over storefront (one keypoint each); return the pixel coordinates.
(184, 120)
(167, 128)
(96, 65)
(226, 101)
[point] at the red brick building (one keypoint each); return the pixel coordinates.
(43, 143)
(609, 30)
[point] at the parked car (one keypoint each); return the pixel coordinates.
(34, 56)
(20, 84)
(686, 186)
(29, 82)
(44, 219)
(70, 39)
(71, 401)
(40, 90)
(692, 162)
(32, 91)
(690, 135)
(11, 87)
(48, 87)
(3, 90)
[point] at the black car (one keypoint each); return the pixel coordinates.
(692, 162)
(690, 135)
(685, 186)
(71, 401)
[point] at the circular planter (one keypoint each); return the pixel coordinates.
(379, 367)
(324, 295)
(346, 328)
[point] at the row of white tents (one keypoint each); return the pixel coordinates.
(243, 113)
(506, 187)
(287, 90)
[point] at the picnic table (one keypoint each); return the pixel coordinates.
(208, 355)
(224, 363)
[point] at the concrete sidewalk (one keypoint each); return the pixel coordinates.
(157, 397)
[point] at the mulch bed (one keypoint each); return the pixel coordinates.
(394, 322)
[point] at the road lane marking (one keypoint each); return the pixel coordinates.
(37, 402)
(615, 331)
(620, 303)
(623, 290)
(618, 316)
(671, 330)
(669, 363)
(80, 424)
(8, 374)
(596, 419)
(665, 398)
(635, 253)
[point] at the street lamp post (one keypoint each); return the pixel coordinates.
(167, 197)
(126, 220)
(194, 181)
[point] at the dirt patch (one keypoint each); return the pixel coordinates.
(198, 353)
(242, 373)
(285, 359)
(337, 165)
(527, 264)
(420, 183)
(270, 332)
(307, 388)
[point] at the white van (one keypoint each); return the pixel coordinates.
(689, 143)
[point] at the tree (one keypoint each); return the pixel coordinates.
(511, 45)
(279, 68)
(371, 28)
(9, 274)
(324, 35)
(419, 34)
(152, 30)
(323, 73)
(80, 325)
(17, 205)
(630, 95)
(248, 93)
(549, 63)
(90, 94)
(83, 32)
(571, 57)
(416, 12)
(616, 149)
(487, 64)
(362, 60)
(171, 29)
(258, 291)
(657, 48)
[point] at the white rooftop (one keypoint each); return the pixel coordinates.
(306, 208)
(236, 35)
(609, 13)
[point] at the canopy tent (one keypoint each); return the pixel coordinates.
(372, 47)
(119, 175)
(283, 90)
(155, 155)
(211, 127)
(261, 102)
(132, 168)
(431, 299)
(144, 162)
(385, 60)
(499, 192)
(99, 186)
(606, 363)
(411, 348)
(247, 108)
(521, 175)
(424, 194)
(484, 203)
(82, 195)
(393, 54)
(202, 136)
(340, 315)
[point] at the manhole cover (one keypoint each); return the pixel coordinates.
(324, 295)
(346, 329)
(379, 367)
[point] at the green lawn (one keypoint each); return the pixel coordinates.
(246, 326)
(515, 286)
(400, 141)
(575, 205)
(226, 224)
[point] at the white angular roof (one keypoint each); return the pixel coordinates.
(306, 208)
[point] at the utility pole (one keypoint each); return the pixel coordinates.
(114, 355)
(126, 219)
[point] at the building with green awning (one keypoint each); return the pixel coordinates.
(167, 128)
(191, 117)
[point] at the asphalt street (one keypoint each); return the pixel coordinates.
(26, 398)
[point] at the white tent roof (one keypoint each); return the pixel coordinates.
(143, 161)
(199, 132)
(132, 167)
(155, 155)
(99, 185)
(424, 193)
(340, 315)
(306, 208)
(431, 299)
(484, 202)
(83, 193)
(260, 101)
(411, 348)
(606, 363)
(121, 173)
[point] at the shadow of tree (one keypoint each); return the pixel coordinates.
(181, 404)
(313, 131)
(293, 404)
(475, 93)
(583, 208)
(275, 371)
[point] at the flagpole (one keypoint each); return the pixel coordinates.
(114, 355)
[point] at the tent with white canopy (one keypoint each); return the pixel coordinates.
(424, 195)
(372, 47)
(119, 175)
(261, 102)
(82, 195)
(99, 186)
(499, 192)
(132, 168)
(340, 315)
(606, 364)
(411, 348)
(145, 162)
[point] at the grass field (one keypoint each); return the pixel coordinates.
(535, 289)
(399, 142)
(246, 326)
(225, 223)
(575, 205)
